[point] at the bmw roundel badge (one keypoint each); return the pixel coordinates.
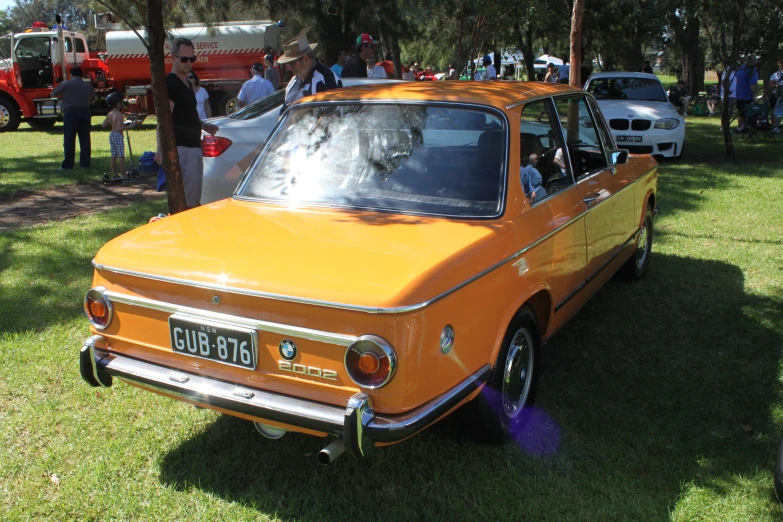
(288, 349)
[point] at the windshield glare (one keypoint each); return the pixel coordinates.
(407, 158)
(640, 89)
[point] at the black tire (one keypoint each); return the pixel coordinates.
(502, 409)
(636, 266)
(42, 123)
(9, 115)
(227, 104)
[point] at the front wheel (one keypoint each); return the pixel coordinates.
(9, 115)
(503, 407)
(636, 266)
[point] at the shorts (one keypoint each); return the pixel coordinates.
(191, 163)
(116, 144)
(741, 104)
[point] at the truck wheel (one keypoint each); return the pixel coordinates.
(228, 104)
(42, 123)
(503, 406)
(9, 115)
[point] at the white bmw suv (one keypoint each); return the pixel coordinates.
(640, 116)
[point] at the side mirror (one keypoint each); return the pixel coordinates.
(618, 156)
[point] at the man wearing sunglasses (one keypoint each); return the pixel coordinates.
(187, 124)
(356, 66)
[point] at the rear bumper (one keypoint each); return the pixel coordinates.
(357, 423)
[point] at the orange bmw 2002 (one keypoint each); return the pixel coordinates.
(394, 253)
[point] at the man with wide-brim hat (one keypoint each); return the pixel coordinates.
(310, 77)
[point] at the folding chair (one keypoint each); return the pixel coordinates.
(758, 127)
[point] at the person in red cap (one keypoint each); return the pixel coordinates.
(356, 66)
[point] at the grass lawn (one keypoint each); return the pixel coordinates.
(660, 400)
(29, 158)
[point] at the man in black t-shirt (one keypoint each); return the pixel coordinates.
(187, 124)
(356, 66)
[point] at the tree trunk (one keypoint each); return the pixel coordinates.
(395, 46)
(175, 189)
(530, 57)
(691, 63)
(575, 75)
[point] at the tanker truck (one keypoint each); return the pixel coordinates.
(30, 67)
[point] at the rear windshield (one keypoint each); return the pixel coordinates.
(403, 158)
(641, 89)
(259, 107)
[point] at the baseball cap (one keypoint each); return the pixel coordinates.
(258, 66)
(269, 57)
(365, 39)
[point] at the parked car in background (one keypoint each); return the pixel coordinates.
(639, 113)
(242, 135)
(383, 262)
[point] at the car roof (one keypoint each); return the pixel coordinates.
(496, 94)
(621, 74)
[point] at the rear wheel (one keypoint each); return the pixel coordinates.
(9, 115)
(503, 406)
(42, 123)
(636, 266)
(228, 104)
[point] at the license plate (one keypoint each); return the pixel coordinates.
(215, 341)
(636, 139)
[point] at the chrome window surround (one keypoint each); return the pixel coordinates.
(255, 324)
(352, 307)
(472, 106)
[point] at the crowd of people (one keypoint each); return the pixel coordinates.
(188, 100)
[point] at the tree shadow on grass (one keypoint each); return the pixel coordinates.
(45, 276)
(650, 388)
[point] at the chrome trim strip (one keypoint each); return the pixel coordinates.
(344, 306)
(587, 281)
(292, 410)
(255, 324)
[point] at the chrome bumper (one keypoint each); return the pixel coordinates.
(357, 423)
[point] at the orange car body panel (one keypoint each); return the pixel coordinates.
(308, 263)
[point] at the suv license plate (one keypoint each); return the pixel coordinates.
(215, 341)
(635, 139)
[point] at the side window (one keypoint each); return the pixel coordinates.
(80, 47)
(544, 165)
(584, 145)
(68, 47)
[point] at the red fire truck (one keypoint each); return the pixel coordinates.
(31, 66)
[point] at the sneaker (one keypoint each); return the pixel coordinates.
(62, 168)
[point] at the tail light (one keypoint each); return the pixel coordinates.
(98, 308)
(370, 362)
(214, 146)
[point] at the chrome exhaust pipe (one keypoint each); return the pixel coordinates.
(330, 453)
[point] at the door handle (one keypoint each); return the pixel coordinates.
(590, 200)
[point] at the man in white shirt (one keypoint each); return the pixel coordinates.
(255, 88)
(374, 70)
(565, 71)
(491, 74)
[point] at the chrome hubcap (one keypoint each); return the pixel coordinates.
(642, 247)
(517, 372)
(5, 116)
